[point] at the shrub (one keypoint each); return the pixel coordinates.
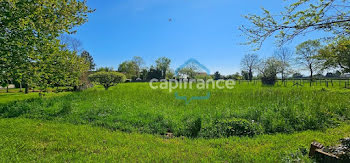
(268, 80)
(268, 70)
(192, 126)
(159, 124)
(234, 127)
(107, 79)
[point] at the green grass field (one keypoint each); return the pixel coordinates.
(129, 122)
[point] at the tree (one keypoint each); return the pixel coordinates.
(319, 76)
(306, 55)
(245, 75)
(154, 73)
(29, 32)
(284, 55)
(105, 69)
(336, 55)
(129, 68)
(332, 75)
(237, 76)
(217, 75)
(190, 70)
(163, 64)
(203, 76)
(5, 76)
(249, 63)
(170, 74)
(299, 18)
(62, 68)
(139, 62)
(5, 83)
(144, 74)
(268, 69)
(88, 59)
(297, 75)
(78, 72)
(71, 43)
(107, 79)
(187, 72)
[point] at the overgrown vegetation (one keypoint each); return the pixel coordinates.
(107, 79)
(30, 49)
(246, 110)
(25, 140)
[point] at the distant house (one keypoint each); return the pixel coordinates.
(346, 75)
(202, 73)
(185, 76)
(191, 65)
(10, 86)
(182, 76)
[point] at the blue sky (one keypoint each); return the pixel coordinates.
(206, 30)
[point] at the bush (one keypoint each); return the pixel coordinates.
(268, 69)
(268, 80)
(107, 79)
(233, 127)
(192, 126)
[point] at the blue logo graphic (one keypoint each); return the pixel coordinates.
(185, 98)
(192, 98)
(192, 61)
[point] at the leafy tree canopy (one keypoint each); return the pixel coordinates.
(307, 55)
(88, 59)
(29, 32)
(107, 79)
(337, 54)
(129, 68)
(298, 18)
(163, 64)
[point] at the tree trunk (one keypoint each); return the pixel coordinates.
(26, 89)
(311, 72)
(164, 74)
(106, 86)
(250, 75)
(7, 88)
(20, 87)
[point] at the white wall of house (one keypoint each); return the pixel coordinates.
(346, 75)
(10, 86)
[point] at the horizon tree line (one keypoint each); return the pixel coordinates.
(310, 56)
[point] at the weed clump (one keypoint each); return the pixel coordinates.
(232, 127)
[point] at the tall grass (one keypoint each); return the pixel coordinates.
(246, 110)
(26, 140)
